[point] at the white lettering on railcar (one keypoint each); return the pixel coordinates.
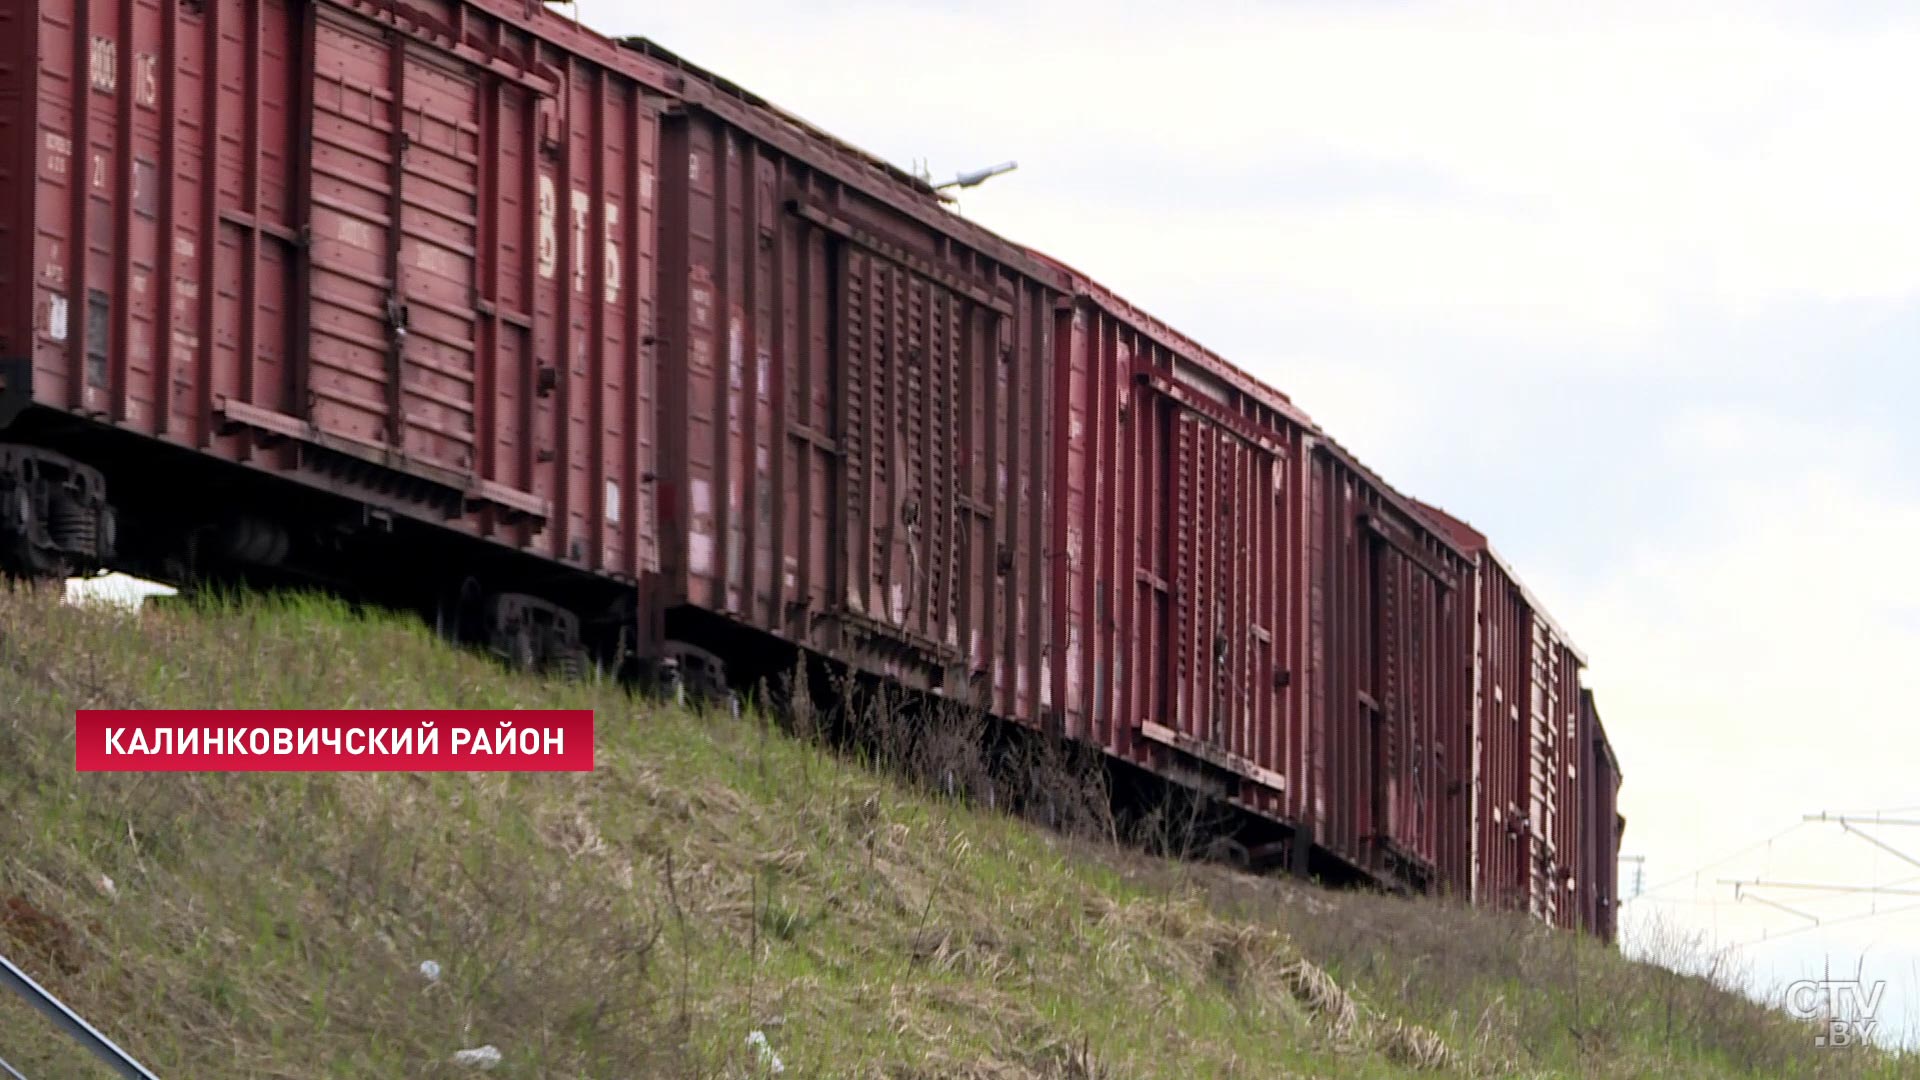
(700, 301)
(146, 72)
(700, 528)
(736, 353)
(59, 155)
(57, 317)
(103, 64)
(581, 205)
(547, 244)
(613, 253)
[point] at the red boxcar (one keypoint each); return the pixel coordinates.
(1177, 515)
(400, 253)
(1390, 617)
(410, 255)
(1531, 747)
(856, 409)
(1603, 826)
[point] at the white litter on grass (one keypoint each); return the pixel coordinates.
(114, 591)
(430, 970)
(758, 1041)
(480, 1057)
(106, 886)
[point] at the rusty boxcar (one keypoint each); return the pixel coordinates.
(856, 409)
(1390, 616)
(1223, 575)
(1527, 698)
(408, 255)
(593, 355)
(1177, 518)
(1241, 604)
(398, 253)
(1602, 825)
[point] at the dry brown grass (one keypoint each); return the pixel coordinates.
(1323, 998)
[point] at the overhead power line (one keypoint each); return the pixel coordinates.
(1767, 939)
(1723, 860)
(1753, 889)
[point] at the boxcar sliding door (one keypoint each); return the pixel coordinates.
(1411, 699)
(1217, 605)
(394, 181)
(917, 517)
(406, 139)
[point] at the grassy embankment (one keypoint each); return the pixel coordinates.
(713, 877)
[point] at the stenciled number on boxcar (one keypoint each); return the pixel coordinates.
(146, 91)
(548, 242)
(579, 213)
(103, 64)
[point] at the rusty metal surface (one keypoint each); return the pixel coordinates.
(410, 258)
(1177, 495)
(1239, 599)
(402, 252)
(1390, 618)
(1534, 745)
(1601, 825)
(354, 257)
(855, 424)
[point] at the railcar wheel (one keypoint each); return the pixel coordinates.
(54, 517)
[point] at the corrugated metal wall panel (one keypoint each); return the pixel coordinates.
(1534, 748)
(330, 300)
(855, 424)
(1392, 686)
(1180, 520)
(1600, 826)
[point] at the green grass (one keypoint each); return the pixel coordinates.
(711, 878)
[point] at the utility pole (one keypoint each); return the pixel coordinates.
(1639, 874)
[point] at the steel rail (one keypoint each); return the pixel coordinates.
(71, 1023)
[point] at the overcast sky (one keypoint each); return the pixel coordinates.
(1634, 289)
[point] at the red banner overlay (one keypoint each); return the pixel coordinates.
(342, 740)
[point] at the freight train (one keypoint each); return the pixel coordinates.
(597, 357)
